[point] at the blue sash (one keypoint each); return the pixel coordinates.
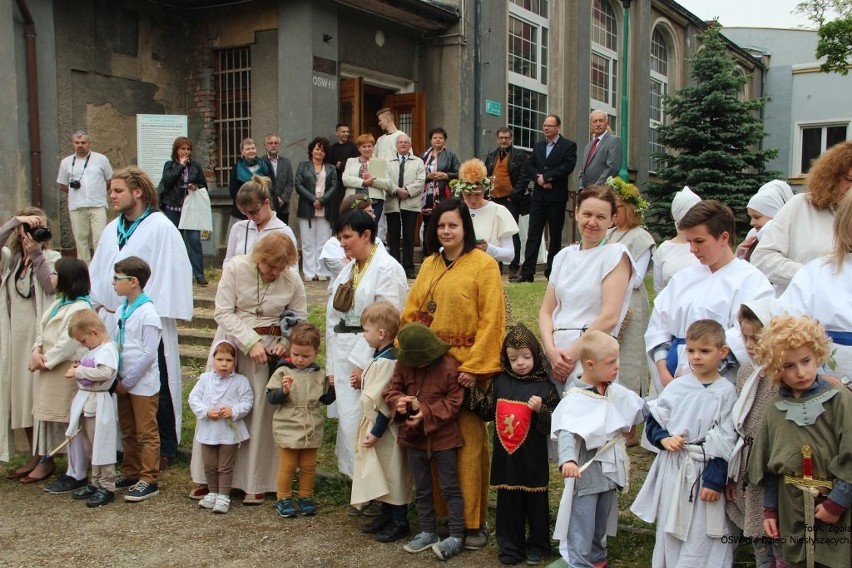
(671, 358)
(840, 337)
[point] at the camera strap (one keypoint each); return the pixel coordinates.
(85, 165)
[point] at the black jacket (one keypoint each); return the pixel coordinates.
(172, 187)
(517, 170)
(555, 169)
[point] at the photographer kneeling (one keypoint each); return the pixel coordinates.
(26, 287)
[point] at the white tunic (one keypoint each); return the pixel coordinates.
(576, 278)
(244, 235)
(158, 242)
(823, 292)
(798, 234)
(669, 259)
(494, 224)
(132, 347)
(689, 530)
(106, 414)
(383, 281)
(697, 293)
(213, 391)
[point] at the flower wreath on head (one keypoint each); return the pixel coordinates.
(627, 192)
(473, 178)
(356, 203)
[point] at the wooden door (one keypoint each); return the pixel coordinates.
(352, 104)
(409, 110)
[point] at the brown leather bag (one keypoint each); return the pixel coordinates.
(344, 296)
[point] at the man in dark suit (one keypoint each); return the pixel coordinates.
(282, 177)
(341, 151)
(602, 155)
(552, 161)
(507, 166)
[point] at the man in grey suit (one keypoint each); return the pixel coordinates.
(602, 155)
(282, 177)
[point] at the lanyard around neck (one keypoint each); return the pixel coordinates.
(85, 165)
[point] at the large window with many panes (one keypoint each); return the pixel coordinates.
(527, 69)
(233, 107)
(604, 64)
(659, 88)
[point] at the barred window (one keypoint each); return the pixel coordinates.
(233, 107)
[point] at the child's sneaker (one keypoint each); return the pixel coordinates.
(223, 503)
(448, 547)
(208, 501)
(122, 483)
(285, 508)
(307, 506)
(141, 491)
(84, 492)
(100, 498)
(421, 542)
(476, 539)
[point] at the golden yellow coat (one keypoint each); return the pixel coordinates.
(469, 302)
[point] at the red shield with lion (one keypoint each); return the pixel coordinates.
(512, 423)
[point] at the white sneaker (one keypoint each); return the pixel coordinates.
(223, 503)
(208, 501)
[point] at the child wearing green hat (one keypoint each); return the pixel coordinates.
(425, 397)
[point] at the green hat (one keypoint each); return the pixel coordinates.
(418, 345)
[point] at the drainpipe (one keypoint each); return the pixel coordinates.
(32, 102)
(477, 77)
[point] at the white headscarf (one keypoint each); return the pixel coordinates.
(770, 198)
(683, 202)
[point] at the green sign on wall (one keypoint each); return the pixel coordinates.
(493, 107)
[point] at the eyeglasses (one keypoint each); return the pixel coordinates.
(549, 125)
(117, 277)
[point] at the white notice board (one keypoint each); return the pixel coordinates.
(155, 134)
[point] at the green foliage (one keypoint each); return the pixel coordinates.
(713, 138)
(835, 44)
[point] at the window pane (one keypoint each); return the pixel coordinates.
(657, 92)
(604, 30)
(811, 145)
(523, 47)
(834, 135)
(527, 110)
(601, 78)
(544, 56)
(659, 54)
(535, 6)
(233, 105)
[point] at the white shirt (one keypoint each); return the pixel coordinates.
(244, 235)
(93, 172)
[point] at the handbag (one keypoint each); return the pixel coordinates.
(196, 213)
(344, 296)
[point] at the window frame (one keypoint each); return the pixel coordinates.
(663, 80)
(823, 125)
(528, 129)
(611, 57)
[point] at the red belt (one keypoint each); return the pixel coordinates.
(458, 340)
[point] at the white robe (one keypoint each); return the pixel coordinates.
(597, 420)
(494, 224)
(669, 259)
(799, 233)
(158, 242)
(698, 413)
(244, 235)
(577, 274)
(821, 291)
(697, 293)
(383, 281)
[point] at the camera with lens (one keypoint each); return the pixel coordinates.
(39, 234)
(74, 184)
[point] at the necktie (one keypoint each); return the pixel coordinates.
(548, 149)
(401, 172)
(592, 151)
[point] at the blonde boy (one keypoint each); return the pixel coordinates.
(95, 375)
(589, 425)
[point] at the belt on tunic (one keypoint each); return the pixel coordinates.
(840, 337)
(341, 327)
(268, 330)
(671, 358)
(458, 340)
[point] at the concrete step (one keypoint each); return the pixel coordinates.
(195, 336)
(202, 319)
(207, 302)
(195, 355)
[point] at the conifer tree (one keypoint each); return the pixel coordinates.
(713, 138)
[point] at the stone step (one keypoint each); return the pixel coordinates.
(202, 318)
(206, 302)
(195, 336)
(195, 355)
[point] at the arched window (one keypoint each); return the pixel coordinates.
(604, 64)
(659, 88)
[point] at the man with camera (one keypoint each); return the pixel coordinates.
(84, 176)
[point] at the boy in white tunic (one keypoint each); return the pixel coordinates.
(713, 290)
(93, 407)
(691, 423)
(589, 425)
(138, 389)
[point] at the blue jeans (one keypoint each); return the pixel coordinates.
(192, 240)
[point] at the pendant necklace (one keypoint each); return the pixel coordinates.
(259, 310)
